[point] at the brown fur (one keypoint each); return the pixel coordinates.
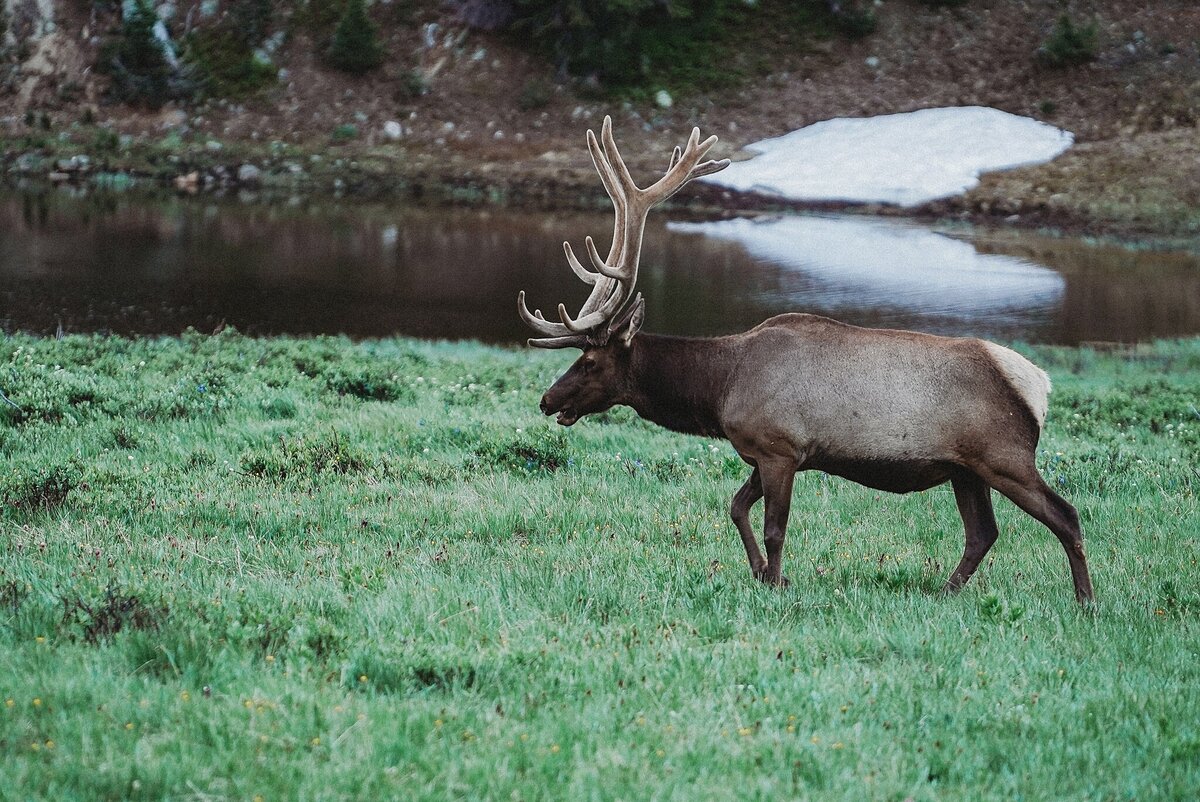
(893, 410)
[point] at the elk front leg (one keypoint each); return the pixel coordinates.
(777, 478)
(974, 500)
(739, 511)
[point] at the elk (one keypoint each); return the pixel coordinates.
(899, 411)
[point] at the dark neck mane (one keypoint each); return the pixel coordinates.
(679, 382)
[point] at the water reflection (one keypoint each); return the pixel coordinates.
(842, 264)
(135, 266)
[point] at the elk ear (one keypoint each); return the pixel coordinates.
(630, 322)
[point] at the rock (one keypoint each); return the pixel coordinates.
(188, 183)
(662, 99)
(248, 174)
(429, 35)
(57, 177)
(213, 146)
(872, 62)
(392, 130)
(28, 163)
(173, 119)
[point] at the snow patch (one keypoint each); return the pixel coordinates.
(903, 159)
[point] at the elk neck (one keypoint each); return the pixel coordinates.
(679, 382)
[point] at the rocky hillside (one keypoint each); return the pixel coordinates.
(480, 111)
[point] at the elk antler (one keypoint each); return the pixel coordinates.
(615, 276)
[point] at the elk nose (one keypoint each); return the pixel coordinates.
(545, 406)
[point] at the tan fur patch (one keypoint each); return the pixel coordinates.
(1030, 381)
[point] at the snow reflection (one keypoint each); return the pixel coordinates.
(841, 263)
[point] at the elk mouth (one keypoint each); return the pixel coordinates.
(566, 417)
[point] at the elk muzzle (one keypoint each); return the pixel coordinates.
(549, 406)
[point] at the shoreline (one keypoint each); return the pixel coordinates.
(266, 172)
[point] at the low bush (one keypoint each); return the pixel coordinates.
(39, 488)
(355, 47)
(1069, 44)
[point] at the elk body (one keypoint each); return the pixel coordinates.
(893, 410)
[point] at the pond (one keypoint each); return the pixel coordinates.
(134, 265)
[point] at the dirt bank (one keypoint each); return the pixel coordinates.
(474, 136)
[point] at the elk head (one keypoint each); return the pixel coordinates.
(607, 323)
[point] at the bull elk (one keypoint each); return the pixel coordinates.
(898, 411)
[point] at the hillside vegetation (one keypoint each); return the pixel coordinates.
(314, 569)
(494, 94)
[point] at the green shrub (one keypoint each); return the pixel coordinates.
(300, 458)
(105, 141)
(225, 62)
(623, 43)
(410, 85)
(855, 22)
(94, 620)
(535, 94)
(355, 47)
(39, 489)
(135, 61)
(1069, 44)
(345, 132)
(250, 20)
(538, 451)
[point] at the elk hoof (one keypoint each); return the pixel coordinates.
(778, 581)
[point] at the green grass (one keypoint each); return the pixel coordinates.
(313, 569)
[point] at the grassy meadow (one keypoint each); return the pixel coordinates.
(311, 569)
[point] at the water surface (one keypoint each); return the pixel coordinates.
(130, 265)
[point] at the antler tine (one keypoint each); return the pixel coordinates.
(537, 322)
(585, 275)
(615, 160)
(604, 167)
(707, 168)
(600, 265)
(682, 170)
(621, 190)
(615, 277)
(566, 341)
(589, 321)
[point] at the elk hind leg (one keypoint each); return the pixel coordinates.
(974, 499)
(745, 498)
(1026, 488)
(777, 478)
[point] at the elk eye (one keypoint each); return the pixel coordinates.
(588, 364)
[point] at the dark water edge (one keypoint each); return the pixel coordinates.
(103, 262)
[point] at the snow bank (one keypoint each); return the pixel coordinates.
(904, 159)
(862, 262)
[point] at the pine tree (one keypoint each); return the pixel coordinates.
(136, 62)
(355, 47)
